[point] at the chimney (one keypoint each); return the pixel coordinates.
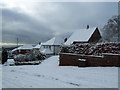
(87, 26)
(39, 43)
(65, 39)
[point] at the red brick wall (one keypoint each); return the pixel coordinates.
(68, 60)
(72, 60)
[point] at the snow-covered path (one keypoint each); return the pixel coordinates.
(50, 75)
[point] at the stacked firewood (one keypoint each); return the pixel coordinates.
(92, 49)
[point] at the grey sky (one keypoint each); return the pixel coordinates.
(38, 22)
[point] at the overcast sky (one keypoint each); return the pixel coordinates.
(34, 22)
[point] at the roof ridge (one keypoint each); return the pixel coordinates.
(54, 41)
(81, 35)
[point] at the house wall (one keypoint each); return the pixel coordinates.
(21, 52)
(96, 36)
(54, 48)
(91, 61)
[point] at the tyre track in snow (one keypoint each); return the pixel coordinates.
(27, 79)
(48, 74)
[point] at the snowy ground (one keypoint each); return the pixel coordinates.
(50, 75)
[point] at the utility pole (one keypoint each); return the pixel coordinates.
(17, 41)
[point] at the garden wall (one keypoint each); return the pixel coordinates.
(107, 60)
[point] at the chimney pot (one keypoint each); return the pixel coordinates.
(87, 26)
(39, 43)
(65, 39)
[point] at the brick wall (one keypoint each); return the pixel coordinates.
(67, 59)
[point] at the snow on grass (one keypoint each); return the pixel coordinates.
(49, 75)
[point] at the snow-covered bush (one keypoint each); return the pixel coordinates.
(30, 56)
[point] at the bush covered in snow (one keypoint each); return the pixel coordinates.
(92, 49)
(30, 56)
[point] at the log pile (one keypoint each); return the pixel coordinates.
(92, 49)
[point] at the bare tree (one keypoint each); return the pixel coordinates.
(110, 30)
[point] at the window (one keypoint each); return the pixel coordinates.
(43, 46)
(50, 47)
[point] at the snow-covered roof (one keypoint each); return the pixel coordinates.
(47, 51)
(38, 46)
(81, 35)
(54, 41)
(24, 47)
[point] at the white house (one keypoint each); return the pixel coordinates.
(88, 35)
(22, 49)
(53, 45)
(47, 52)
(37, 47)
